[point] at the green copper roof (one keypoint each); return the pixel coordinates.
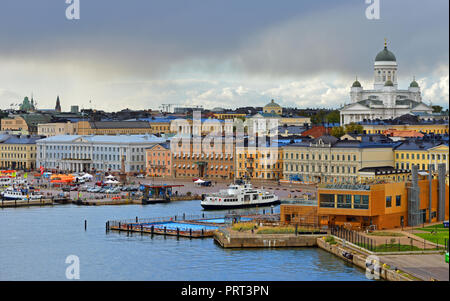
(414, 84)
(388, 83)
(272, 104)
(356, 83)
(385, 56)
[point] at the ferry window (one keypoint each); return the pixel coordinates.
(388, 201)
(398, 200)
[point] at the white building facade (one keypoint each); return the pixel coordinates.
(76, 153)
(385, 100)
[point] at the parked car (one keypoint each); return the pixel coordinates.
(74, 188)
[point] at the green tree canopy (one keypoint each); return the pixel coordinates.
(337, 131)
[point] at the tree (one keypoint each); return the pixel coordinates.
(333, 117)
(437, 109)
(353, 127)
(318, 118)
(337, 131)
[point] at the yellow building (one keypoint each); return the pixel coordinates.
(298, 121)
(18, 152)
(57, 128)
(16, 124)
(260, 163)
(329, 160)
(436, 128)
(113, 128)
(421, 153)
(273, 108)
(230, 115)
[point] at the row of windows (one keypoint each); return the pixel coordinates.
(320, 168)
(398, 201)
(419, 156)
(320, 157)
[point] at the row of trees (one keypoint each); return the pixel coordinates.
(339, 131)
(325, 116)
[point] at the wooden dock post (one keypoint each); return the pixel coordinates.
(142, 229)
(136, 219)
(184, 216)
(202, 232)
(85, 225)
(165, 228)
(119, 226)
(190, 232)
(178, 232)
(296, 229)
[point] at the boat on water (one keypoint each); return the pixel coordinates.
(20, 194)
(239, 196)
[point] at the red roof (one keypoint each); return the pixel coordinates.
(316, 132)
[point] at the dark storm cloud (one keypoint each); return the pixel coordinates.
(259, 37)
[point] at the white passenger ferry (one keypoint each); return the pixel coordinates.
(239, 196)
(17, 194)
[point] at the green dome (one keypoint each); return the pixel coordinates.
(385, 56)
(356, 84)
(388, 83)
(414, 84)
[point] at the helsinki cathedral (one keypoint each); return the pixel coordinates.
(385, 100)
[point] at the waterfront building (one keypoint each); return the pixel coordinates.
(422, 153)
(385, 100)
(95, 152)
(196, 160)
(18, 152)
(263, 162)
(375, 206)
(329, 160)
(159, 160)
(57, 128)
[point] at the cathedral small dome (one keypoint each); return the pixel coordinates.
(356, 84)
(414, 84)
(388, 83)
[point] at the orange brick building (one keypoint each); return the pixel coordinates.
(383, 206)
(193, 161)
(159, 160)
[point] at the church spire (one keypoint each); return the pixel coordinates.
(58, 104)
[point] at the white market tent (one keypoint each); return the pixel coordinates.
(110, 177)
(112, 182)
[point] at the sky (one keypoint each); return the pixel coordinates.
(139, 54)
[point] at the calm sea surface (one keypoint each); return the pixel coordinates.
(34, 244)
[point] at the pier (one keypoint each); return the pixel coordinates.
(190, 226)
(25, 203)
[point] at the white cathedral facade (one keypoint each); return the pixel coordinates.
(385, 100)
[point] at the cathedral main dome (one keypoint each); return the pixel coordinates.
(385, 56)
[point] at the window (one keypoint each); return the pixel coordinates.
(398, 200)
(388, 201)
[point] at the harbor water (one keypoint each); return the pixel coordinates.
(35, 242)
